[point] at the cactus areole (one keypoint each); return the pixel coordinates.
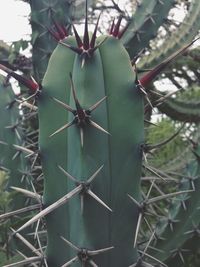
(91, 132)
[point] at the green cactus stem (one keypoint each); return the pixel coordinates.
(183, 217)
(114, 88)
(10, 134)
(180, 110)
(143, 26)
(184, 34)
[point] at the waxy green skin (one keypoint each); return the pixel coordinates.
(185, 219)
(180, 110)
(9, 116)
(182, 35)
(12, 161)
(42, 13)
(53, 149)
(121, 114)
(144, 24)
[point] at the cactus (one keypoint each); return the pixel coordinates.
(61, 149)
(11, 159)
(14, 163)
(182, 35)
(143, 26)
(183, 218)
(177, 109)
(91, 142)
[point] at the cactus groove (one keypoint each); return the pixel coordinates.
(81, 149)
(10, 135)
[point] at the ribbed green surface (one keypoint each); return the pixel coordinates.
(184, 34)
(9, 116)
(180, 110)
(144, 24)
(185, 220)
(42, 12)
(121, 114)
(53, 149)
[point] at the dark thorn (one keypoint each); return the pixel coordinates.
(93, 39)
(31, 84)
(86, 41)
(78, 39)
(112, 27)
(84, 254)
(116, 28)
(80, 111)
(73, 48)
(61, 31)
(149, 77)
(141, 88)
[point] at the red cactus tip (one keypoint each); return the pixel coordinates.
(115, 28)
(59, 32)
(29, 83)
(151, 75)
(85, 47)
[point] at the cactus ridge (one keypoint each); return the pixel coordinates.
(13, 162)
(179, 225)
(186, 111)
(183, 35)
(146, 20)
(11, 135)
